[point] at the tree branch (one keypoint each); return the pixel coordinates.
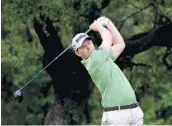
(160, 36)
(156, 14)
(167, 53)
(105, 3)
(123, 21)
(134, 5)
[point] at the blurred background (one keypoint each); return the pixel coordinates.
(33, 32)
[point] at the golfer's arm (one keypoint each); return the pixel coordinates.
(118, 42)
(105, 35)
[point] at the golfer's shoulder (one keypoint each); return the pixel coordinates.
(103, 48)
(91, 61)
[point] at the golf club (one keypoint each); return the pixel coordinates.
(18, 94)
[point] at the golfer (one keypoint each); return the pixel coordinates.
(118, 97)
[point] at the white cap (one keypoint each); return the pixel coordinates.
(78, 40)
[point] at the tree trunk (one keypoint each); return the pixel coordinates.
(71, 82)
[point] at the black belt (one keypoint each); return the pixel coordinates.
(134, 105)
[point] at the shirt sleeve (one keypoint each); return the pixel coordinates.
(108, 51)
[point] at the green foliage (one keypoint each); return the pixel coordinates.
(95, 107)
(20, 60)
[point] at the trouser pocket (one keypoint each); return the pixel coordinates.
(105, 120)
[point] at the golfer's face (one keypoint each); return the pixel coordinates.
(86, 49)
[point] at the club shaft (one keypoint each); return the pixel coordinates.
(49, 64)
(88, 31)
(45, 67)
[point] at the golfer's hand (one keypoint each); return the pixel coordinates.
(103, 20)
(95, 26)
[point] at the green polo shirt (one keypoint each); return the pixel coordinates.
(114, 87)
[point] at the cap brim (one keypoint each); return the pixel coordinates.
(88, 38)
(81, 42)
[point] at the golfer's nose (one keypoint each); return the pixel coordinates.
(89, 48)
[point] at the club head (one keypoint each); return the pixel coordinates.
(18, 96)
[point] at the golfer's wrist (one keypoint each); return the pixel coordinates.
(109, 24)
(101, 29)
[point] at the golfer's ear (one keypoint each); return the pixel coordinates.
(77, 53)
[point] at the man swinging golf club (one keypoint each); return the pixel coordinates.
(118, 98)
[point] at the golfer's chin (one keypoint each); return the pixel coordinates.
(90, 53)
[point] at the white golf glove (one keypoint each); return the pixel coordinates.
(103, 20)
